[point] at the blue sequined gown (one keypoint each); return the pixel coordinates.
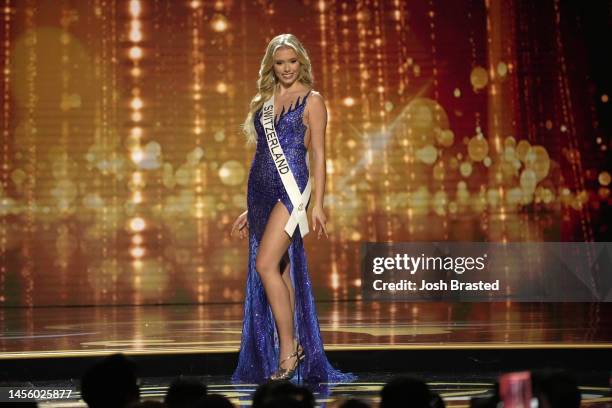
(258, 357)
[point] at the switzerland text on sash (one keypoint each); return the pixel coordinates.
(298, 199)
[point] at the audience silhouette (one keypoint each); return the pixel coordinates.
(113, 382)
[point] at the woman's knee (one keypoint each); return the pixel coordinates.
(263, 267)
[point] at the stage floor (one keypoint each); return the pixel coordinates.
(459, 348)
(88, 331)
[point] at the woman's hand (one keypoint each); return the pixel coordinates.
(241, 225)
(318, 217)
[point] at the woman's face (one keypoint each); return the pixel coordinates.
(286, 66)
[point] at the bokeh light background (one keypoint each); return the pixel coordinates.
(122, 165)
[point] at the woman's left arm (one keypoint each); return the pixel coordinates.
(317, 122)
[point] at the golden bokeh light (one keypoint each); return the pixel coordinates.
(502, 69)
(478, 148)
(479, 78)
(231, 173)
(538, 160)
(348, 101)
(135, 53)
(528, 180)
(427, 154)
(219, 23)
(465, 169)
(445, 137)
(135, 8)
(137, 224)
(221, 87)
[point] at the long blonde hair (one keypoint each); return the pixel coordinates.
(267, 80)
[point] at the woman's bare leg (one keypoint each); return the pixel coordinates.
(272, 247)
(286, 273)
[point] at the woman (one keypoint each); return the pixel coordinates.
(280, 333)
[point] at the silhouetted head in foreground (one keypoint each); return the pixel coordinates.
(353, 403)
(111, 382)
(401, 390)
(215, 401)
(282, 394)
(555, 389)
(184, 393)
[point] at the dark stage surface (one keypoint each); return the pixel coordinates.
(458, 348)
(87, 331)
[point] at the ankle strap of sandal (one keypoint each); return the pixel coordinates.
(294, 354)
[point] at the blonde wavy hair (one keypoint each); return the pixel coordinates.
(267, 79)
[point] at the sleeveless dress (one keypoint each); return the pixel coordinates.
(259, 345)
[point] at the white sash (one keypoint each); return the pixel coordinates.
(299, 200)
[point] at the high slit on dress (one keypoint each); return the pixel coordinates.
(259, 345)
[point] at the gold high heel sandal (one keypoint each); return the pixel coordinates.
(288, 373)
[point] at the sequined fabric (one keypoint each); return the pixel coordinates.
(258, 357)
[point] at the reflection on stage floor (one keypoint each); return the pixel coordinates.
(459, 348)
(77, 331)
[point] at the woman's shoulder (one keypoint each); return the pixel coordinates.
(315, 103)
(315, 99)
(314, 94)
